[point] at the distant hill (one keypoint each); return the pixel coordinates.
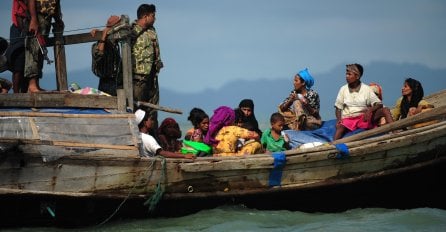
(268, 93)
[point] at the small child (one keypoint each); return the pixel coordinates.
(272, 139)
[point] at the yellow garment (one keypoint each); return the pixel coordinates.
(227, 145)
(396, 111)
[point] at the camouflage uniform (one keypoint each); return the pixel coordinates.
(45, 11)
(146, 66)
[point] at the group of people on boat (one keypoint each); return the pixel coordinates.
(235, 131)
(229, 131)
(26, 51)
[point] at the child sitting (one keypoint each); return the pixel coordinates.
(272, 139)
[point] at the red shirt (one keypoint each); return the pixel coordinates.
(19, 9)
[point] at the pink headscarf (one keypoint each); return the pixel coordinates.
(223, 116)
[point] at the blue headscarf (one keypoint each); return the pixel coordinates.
(306, 76)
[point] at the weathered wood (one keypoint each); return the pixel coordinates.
(121, 98)
(59, 56)
(157, 107)
(62, 115)
(359, 149)
(56, 100)
(433, 114)
(66, 144)
(437, 99)
(76, 39)
(127, 67)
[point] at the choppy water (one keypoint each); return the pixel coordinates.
(239, 218)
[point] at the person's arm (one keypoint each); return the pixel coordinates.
(310, 109)
(169, 154)
(101, 42)
(33, 24)
(338, 113)
(371, 110)
(287, 103)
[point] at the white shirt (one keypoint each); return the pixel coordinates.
(150, 145)
(355, 103)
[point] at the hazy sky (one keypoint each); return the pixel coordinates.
(206, 43)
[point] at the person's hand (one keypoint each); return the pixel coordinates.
(293, 96)
(33, 26)
(190, 156)
(93, 32)
(302, 98)
(367, 115)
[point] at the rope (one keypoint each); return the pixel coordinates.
(73, 30)
(159, 190)
(128, 195)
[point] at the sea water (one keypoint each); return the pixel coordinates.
(240, 218)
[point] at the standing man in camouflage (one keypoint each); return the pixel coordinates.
(146, 58)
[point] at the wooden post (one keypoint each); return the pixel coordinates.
(120, 93)
(59, 56)
(126, 53)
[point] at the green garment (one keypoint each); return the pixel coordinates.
(270, 143)
(146, 51)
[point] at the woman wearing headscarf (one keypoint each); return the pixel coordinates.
(411, 102)
(245, 117)
(168, 134)
(223, 135)
(301, 107)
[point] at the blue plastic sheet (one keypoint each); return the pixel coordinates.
(344, 152)
(275, 176)
(324, 134)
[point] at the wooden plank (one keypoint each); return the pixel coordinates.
(157, 107)
(67, 144)
(262, 162)
(435, 113)
(57, 99)
(75, 39)
(63, 115)
(90, 101)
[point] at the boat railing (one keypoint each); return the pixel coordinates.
(62, 97)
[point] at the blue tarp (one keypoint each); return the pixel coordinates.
(324, 134)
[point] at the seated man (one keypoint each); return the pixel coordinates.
(151, 146)
(357, 106)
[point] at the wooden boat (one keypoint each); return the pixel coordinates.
(85, 167)
(52, 156)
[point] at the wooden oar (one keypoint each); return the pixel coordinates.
(157, 107)
(433, 114)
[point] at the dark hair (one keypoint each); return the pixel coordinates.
(417, 96)
(145, 9)
(360, 69)
(196, 116)
(247, 103)
(275, 117)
